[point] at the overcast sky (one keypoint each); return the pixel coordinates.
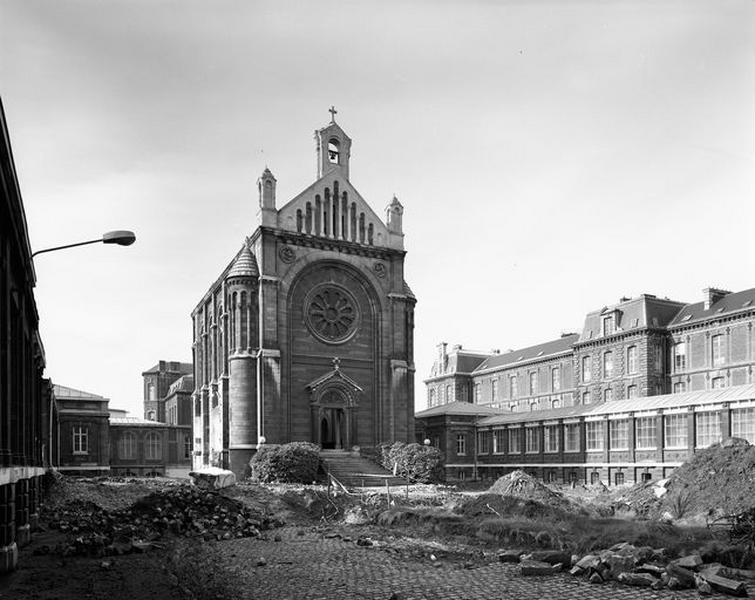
(551, 156)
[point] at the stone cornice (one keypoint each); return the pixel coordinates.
(332, 244)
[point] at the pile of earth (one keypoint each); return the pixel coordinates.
(180, 510)
(715, 482)
(519, 484)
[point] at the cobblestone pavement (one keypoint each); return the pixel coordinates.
(314, 567)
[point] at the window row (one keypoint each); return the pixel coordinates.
(716, 350)
(675, 434)
(609, 370)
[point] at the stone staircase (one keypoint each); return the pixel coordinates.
(354, 471)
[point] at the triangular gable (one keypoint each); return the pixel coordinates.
(335, 375)
(287, 215)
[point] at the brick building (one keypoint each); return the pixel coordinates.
(143, 448)
(307, 334)
(84, 432)
(28, 413)
(646, 383)
(157, 386)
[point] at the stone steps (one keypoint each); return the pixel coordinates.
(354, 471)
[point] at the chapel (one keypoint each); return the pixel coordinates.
(307, 334)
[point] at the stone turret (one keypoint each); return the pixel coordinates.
(394, 215)
(243, 343)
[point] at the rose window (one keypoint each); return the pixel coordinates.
(331, 314)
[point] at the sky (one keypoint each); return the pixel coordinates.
(551, 156)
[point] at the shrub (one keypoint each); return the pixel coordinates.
(414, 462)
(297, 462)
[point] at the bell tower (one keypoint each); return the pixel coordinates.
(333, 148)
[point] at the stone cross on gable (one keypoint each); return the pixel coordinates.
(332, 110)
(336, 363)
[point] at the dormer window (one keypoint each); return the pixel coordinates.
(609, 325)
(334, 151)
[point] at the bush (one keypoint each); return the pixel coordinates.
(297, 462)
(417, 463)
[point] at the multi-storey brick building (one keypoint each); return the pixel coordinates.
(630, 397)
(307, 334)
(158, 382)
(28, 416)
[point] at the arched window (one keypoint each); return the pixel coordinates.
(318, 214)
(353, 221)
(308, 218)
(370, 231)
(334, 151)
(325, 207)
(151, 392)
(127, 446)
(299, 221)
(153, 446)
(361, 228)
(151, 415)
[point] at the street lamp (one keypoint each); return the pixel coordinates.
(122, 238)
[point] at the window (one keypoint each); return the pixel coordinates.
(707, 428)
(556, 379)
(198, 407)
(680, 387)
(449, 394)
(618, 479)
(571, 437)
(608, 395)
(477, 393)
(586, 369)
(515, 441)
(80, 440)
(675, 431)
(717, 350)
(127, 446)
(658, 352)
(187, 445)
(743, 424)
(586, 398)
(644, 428)
(632, 360)
(594, 435)
(680, 357)
(151, 392)
(717, 382)
(494, 390)
(631, 391)
(594, 478)
(461, 444)
(556, 403)
(533, 383)
(608, 325)
(533, 439)
(151, 415)
(498, 441)
(483, 442)
(618, 434)
(153, 445)
(608, 364)
(550, 438)
(514, 387)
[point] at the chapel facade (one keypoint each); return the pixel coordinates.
(307, 334)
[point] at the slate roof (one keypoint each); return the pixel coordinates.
(62, 391)
(185, 383)
(131, 421)
(728, 304)
(635, 313)
(546, 349)
(245, 265)
(182, 367)
(457, 408)
(536, 415)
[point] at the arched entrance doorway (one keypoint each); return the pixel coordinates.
(332, 427)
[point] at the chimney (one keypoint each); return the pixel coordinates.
(495, 351)
(624, 299)
(455, 347)
(161, 366)
(713, 295)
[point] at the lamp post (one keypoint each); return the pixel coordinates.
(120, 237)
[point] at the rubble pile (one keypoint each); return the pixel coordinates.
(182, 510)
(519, 484)
(639, 566)
(716, 481)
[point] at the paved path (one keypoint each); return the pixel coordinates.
(314, 567)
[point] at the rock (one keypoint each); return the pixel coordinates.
(617, 563)
(685, 577)
(723, 584)
(105, 565)
(396, 596)
(356, 515)
(261, 561)
(535, 567)
(589, 561)
(703, 587)
(277, 537)
(693, 561)
(331, 535)
(212, 478)
(596, 578)
(636, 579)
(652, 569)
(674, 584)
(364, 541)
(141, 546)
(509, 556)
(575, 570)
